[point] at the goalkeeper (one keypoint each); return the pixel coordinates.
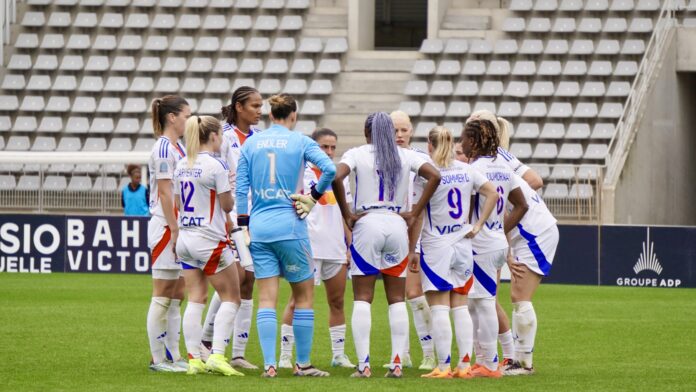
(272, 164)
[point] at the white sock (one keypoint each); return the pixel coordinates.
(464, 331)
(173, 329)
(487, 333)
(361, 323)
(157, 327)
(473, 312)
(508, 344)
(209, 323)
(338, 339)
(442, 334)
(287, 340)
(423, 322)
(224, 323)
(241, 328)
(398, 324)
(524, 326)
(193, 329)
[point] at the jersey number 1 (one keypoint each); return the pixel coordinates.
(272, 174)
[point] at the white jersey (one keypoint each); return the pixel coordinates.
(515, 165)
(538, 217)
(198, 187)
(325, 222)
(370, 194)
(413, 195)
(492, 235)
(161, 165)
(447, 212)
(230, 150)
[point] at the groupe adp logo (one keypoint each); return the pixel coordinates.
(645, 269)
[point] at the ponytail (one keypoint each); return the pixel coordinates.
(198, 130)
(503, 132)
(443, 146)
(161, 107)
(387, 160)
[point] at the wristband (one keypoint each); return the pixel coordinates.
(315, 195)
(243, 220)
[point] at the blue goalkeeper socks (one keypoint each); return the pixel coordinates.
(267, 324)
(303, 328)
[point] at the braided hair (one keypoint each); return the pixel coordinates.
(387, 161)
(484, 136)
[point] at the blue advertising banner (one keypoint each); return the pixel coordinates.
(640, 256)
(577, 255)
(32, 243)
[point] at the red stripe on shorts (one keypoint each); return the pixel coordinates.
(214, 260)
(159, 248)
(464, 290)
(396, 270)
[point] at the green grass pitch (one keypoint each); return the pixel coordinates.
(87, 332)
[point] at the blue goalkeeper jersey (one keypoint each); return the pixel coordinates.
(272, 164)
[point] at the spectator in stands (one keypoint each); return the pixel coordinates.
(135, 196)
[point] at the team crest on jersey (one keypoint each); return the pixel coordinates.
(390, 259)
(164, 167)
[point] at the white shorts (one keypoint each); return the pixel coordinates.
(447, 267)
(196, 251)
(166, 274)
(537, 252)
(380, 245)
(486, 268)
(159, 240)
(326, 269)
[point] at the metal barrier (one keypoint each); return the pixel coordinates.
(7, 17)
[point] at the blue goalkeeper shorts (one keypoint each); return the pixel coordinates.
(290, 258)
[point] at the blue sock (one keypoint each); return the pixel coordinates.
(303, 328)
(267, 324)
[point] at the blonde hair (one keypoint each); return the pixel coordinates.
(198, 130)
(161, 107)
(443, 146)
(501, 125)
(400, 115)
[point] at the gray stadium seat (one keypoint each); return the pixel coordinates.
(456, 46)
(498, 68)
(582, 47)
(137, 21)
(120, 144)
(458, 109)
(585, 110)
(567, 89)
(423, 128)
(626, 68)
(302, 66)
(58, 104)
(412, 108)
(514, 25)
(39, 83)
(448, 67)
(46, 62)
(295, 86)
(491, 88)
(246, 4)
(570, 151)
(505, 46)
(269, 86)
(466, 88)
(84, 105)
(79, 184)
(272, 4)
(208, 44)
(33, 19)
(109, 105)
(621, 5)
(560, 110)
(258, 44)
(233, 44)
(24, 124)
(251, 66)
(17, 143)
(441, 88)
(590, 25)
(59, 19)
(563, 25)
(542, 88)
(167, 85)
(97, 63)
(329, 66)
(27, 41)
(242, 82)
(28, 183)
(69, 144)
(127, 126)
(524, 68)
(556, 46)
(618, 89)
(534, 109)
(144, 144)
(527, 131)
(163, 22)
(193, 85)
(106, 184)
(648, 5)
(225, 65)
(189, 22)
(562, 172)
(102, 125)
(578, 131)
(19, 62)
(615, 25)
(588, 172)
(633, 47)
(157, 43)
(549, 68)
(136, 105)
(240, 22)
(640, 25)
(32, 103)
(611, 110)
(509, 109)
(200, 65)
(290, 23)
(104, 42)
(545, 151)
(485, 105)
(175, 64)
(50, 124)
(320, 87)
(592, 89)
(13, 82)
(79, 42)
(575, 68)
(607, 47)
(539, 25)
(7, 182)
(265, 23)
(111, 20)
(218, 86)
(5, 125)
(474, 67)
(521, 5)
(310, 45)
(521, 150)
(336, 45)
(283, 45)
(596, 151)
(297, 4)
(54, 183)
(312, 107)
(71, 63)
(142, 84)
(275, 66)
(86, 20)
(182, 44)
(77, 125)
(118, 83)
(416, 88)
(91, 84)
(432, 46)
(480, 46)
(545, 5)
(581, 191)
(423, 67)
(600, 68)
(531, 46)
(433, 109)
(596, 5)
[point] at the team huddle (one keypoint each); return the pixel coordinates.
(239, 207)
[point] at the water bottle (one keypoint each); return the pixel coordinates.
(239, 239)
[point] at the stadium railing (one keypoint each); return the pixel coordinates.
(627, 126)
(95, 199)
(7, 17)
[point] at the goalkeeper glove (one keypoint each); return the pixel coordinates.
(305, 203)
